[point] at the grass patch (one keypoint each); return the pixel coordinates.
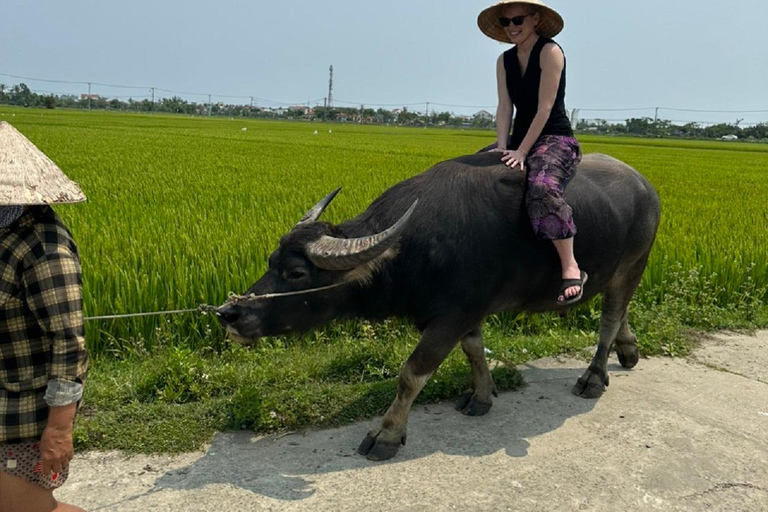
(173, 398)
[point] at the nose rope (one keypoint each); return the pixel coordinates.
(234, 299)
(206, 309)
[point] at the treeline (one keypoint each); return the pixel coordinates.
(648, 127)
(21, 95)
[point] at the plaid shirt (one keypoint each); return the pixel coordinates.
(41, 320)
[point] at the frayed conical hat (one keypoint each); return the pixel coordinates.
(28, 177)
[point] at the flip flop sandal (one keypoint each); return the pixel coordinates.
(567, 283)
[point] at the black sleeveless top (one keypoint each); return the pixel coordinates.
(524, 93)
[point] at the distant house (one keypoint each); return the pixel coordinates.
(729, 137)
(483, 114)
(304, 109)
(90, 96)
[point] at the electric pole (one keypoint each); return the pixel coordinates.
(330, 87)
(152, 106)
(89, 95)
(426, 122)
(210, 105)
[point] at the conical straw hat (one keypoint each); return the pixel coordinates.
(27, 176)
(550, 22)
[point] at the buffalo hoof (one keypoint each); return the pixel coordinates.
(469, 404)
(628, 354)
(591, 385)
(375, 447)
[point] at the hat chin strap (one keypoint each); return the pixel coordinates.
(9, 215)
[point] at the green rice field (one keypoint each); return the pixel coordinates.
(181, 211)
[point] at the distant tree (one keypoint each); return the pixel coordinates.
(49, 101)
(444, 117)
(174, 104)
(405, 117)
(21, 95)
(718, 130)
(640, 126)
(384, 116)
(759, 131)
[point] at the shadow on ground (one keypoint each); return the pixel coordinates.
(283, 467)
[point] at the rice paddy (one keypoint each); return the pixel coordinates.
(181, 211)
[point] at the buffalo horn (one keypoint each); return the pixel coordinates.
(314, 213)
(331, 253)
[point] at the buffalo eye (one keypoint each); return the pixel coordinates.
(297, 274)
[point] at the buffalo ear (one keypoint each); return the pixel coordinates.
(331, 253)
(314, 213)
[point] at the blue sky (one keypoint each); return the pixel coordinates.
(682, 54)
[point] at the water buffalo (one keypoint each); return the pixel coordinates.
(445, 249)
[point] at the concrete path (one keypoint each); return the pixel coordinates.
(672, 434)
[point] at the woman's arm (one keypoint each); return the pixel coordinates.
(552, 62)
(504, 108)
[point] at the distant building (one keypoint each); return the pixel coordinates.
(483, 114)
(90, 96)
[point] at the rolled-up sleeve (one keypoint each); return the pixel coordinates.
(54, 295)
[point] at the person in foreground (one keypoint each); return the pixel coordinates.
(531, 78)
(43, 359)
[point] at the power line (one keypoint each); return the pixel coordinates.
(615, 109)
(716, 111)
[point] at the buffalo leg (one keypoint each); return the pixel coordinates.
(626, 344)
(613, 327)
(437, 341)
(593, 382)
(477, 401)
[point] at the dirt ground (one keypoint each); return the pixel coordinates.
(672, 434)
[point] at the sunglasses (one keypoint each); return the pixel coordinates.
(516, 20)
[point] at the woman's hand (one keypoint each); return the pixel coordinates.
(513, 158)
(56, 445)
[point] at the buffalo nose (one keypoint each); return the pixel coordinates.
(227, 314)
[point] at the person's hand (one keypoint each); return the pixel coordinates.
(514, 158)
(56, 443)
(56, 448)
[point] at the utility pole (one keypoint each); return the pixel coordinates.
(330, 87)
(325, 109)
(362, 108)
(210, 105)
(251, 102)
(89, 95)
(426, 121)
(152, 106)
(656, 116)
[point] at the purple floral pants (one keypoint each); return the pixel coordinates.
(550, 165)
